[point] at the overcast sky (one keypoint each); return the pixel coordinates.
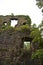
(21, 7)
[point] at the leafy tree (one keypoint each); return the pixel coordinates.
(41, 24)
(37, 33)
(39, 3)
(38, 54)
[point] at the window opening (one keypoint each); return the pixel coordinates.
(14, 22)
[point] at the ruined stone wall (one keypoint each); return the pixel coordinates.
(7, 19)
(12, 40)
(11, 44)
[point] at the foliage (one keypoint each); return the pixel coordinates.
(38, 54)
(35, 34)
(37, 38)
(23, 28)
(34, 26)
(41, 24)
(7, 28)
(39, 3)
(28, 20)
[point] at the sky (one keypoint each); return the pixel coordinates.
(21, 7)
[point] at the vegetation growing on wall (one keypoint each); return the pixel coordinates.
(35, 34)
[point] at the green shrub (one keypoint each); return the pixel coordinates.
(38, 54)
(23, 28)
